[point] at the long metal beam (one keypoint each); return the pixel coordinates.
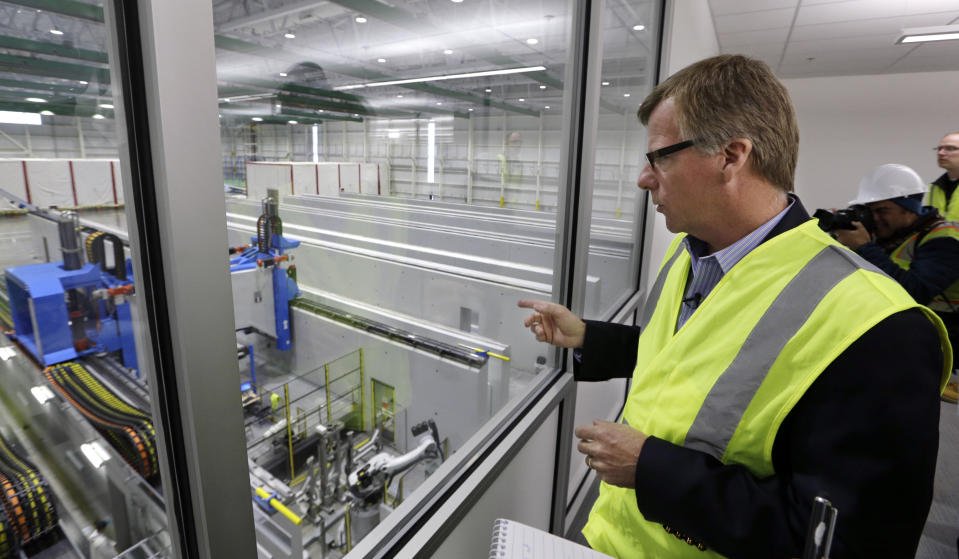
(52, 49)
(70, 8)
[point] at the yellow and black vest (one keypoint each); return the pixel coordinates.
(948, 300)
(726, 380)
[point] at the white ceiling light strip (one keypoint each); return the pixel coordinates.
(445, 77)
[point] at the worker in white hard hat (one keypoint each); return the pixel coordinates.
(913, 243)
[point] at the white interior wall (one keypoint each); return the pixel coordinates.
(850, 124)
(689, 36)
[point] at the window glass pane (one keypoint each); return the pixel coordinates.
(78, 449)
(414, 152)
(630, 44)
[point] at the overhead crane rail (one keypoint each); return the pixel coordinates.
(467, 356)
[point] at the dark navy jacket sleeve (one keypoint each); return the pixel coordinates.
(934, 268)
(616, 343)
(865, 435)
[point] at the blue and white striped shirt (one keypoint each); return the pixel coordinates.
(708, 269)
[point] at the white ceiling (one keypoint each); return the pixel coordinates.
(807, 38)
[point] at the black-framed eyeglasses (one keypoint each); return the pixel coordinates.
(662, 152)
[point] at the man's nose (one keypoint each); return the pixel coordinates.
(647, 178)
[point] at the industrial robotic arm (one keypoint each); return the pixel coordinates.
(367, 482)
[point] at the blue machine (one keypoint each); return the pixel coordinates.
(267, 251)
(60, 314)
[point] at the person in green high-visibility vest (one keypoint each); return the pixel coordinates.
(942, 190)
(770, 365)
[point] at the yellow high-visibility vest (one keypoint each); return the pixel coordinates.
(806, 297)
(948, 208)
(948, 300)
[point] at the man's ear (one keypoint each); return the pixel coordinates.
(735, 156)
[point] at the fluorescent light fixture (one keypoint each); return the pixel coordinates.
(56, 32)
(83, 82)
(282, 74)
(457, 1)
(399, 96)
(929, 34)
(488, 90)
(546, 107)
(257, 119)
(99, 116)
(289, 35)
(542, 87)
(35, 100)
(105, 106)
(639, 27)
(625, 94)
(291, 122)
(41, 393)
(430, 151)
(381, 60)
(448, 51)
(531, 41)
(316, 143)
(446, 77)
(605, 83)
(522, 99)
(470, 109)
(359, 19)
(94, 453)
(14, 117)
(46, 113)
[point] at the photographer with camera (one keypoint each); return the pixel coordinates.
(912, 243)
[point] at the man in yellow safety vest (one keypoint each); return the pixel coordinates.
(942, 189)
(767, 364)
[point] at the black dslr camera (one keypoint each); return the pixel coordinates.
(842, 219)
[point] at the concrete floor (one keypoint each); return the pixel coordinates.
(942, 527)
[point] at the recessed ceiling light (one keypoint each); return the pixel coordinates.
(256, 119)
(439, 102)
(488, 90)
(36, 100)
(56, 32)
(605, 83)
(546, 107)
(542, 87)
(359, 19)
(448, 51)
(98, 116)
(283, 74)
(322, 110)
(399, 96)
(105, 106)
(46, 113)
(625, 94)
(381, 60)
(289, 35)
(531, 41)
(291, 121)
(639, 27)
(457, 1)
(521, 99)
(470, 109)
(354, 114)
(83, 82)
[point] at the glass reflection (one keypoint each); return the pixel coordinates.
(396, 167)
(79, 469)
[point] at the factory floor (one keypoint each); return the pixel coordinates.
(942, 526)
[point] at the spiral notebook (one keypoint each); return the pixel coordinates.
(513, 540)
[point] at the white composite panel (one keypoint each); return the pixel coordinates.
(261, 177)
(93, 181)
(328, 180)
(304, 178)
(12, 179)
(50, 183)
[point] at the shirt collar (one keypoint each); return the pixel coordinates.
(731, 255)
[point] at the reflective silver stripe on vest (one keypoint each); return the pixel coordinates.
(728, 399)
(650, 305)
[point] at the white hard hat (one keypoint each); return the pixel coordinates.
(889, 181)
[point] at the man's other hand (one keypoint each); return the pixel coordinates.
(612, 449)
